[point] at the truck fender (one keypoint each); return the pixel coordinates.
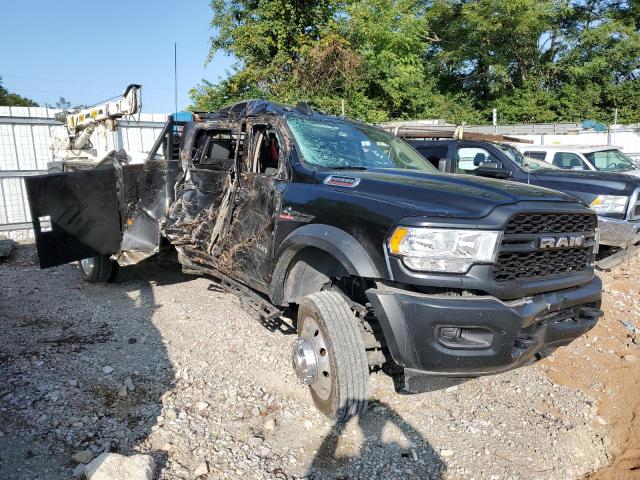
(344, 251)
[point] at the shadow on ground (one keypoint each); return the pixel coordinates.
(82, 366)
(385, 438)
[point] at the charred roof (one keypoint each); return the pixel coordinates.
(254, 108)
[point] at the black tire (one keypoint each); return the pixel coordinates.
(347, 358)
(96, 269)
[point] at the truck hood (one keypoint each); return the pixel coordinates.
(634, 173)
(588, 181)
(436, 194)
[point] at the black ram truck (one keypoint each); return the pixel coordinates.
(378, 257)
(614, 196)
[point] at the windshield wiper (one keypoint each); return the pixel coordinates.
(347, 167)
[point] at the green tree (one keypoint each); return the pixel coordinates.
(533, 60)
(63, 104)
(369, 54)
(9, 99)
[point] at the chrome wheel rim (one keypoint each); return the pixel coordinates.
(311, 359)
(88, 264)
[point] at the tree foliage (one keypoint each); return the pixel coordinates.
(533, 60)
(10, 99)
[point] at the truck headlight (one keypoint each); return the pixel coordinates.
(443, 249)
(610, 204)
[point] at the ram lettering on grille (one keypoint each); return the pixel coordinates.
(551, 245)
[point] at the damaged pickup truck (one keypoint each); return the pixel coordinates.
(378, 257)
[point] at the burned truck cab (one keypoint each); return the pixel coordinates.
(376, 257)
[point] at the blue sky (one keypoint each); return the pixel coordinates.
(87, 51)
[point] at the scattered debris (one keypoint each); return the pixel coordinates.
(630, 327)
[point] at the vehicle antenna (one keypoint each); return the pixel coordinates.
(175, 76)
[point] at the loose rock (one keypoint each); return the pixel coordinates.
(269, 424)
(85, 456)
(200, 470)
(112, 466)
(128, 383)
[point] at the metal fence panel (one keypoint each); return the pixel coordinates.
(25, 136)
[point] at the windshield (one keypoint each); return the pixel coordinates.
(531, 164)
(528, 164)
(612, 160)
(334, 143)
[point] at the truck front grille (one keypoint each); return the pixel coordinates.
(634, 205)
(521, 259)
(534, 223)
(538, 265)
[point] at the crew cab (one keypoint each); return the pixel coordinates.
(581, 157)
(377, 257)
(614, 196)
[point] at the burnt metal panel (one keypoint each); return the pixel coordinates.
(75, 215)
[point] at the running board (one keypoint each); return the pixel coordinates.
(253, 303)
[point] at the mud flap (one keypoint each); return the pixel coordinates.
(75, 215)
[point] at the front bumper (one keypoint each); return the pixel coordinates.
(463, 336)
(616, 232)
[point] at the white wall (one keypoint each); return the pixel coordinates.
(25, 136)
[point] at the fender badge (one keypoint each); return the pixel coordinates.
(341, 181)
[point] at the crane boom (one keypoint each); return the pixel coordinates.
(72, 145)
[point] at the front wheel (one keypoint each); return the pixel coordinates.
(329, 356)
(96, 269)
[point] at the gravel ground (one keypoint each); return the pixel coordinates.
(161, 364)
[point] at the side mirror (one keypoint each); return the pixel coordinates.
(492, 170)
(444, 165)
(491, 165)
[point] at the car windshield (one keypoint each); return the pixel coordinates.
(612, 160)
(334, 143)
(528, 164)
(531, 164)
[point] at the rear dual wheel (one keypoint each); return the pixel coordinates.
(329, 356)
(97, 269)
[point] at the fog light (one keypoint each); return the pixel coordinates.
(464, 337)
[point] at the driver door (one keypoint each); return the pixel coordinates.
(246, 249)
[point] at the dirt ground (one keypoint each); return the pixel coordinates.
(165, 364)
(605, 364)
